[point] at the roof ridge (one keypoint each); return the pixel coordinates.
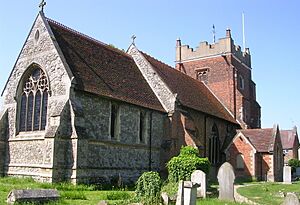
(88, 37)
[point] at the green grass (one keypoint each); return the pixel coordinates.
(215, 201)
(268, 193)
(70, 194)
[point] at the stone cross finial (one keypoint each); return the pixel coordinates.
(133, 37)
(42, 4)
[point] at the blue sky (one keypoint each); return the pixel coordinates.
(272, 34)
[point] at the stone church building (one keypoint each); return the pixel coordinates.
(80, 110)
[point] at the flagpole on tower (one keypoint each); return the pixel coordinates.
(214, 33)
(244, 39)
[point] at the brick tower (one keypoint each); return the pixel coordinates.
(226, 70)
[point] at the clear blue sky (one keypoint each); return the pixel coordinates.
(272, 34)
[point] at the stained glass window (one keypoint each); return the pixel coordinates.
(34, 101)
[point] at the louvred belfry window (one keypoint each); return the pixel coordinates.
(34, 102)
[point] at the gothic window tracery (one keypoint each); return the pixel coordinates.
(214, 145)
(34, 101)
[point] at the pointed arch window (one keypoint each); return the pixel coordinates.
(33, 101)
(214, 145)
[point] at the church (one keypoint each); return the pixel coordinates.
(76, 109)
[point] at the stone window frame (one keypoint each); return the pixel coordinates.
(202, 74)
(240, 162)
(214, 145)
(28, 86)
(144, 126)
(114, 121)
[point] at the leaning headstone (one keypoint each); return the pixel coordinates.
(199, 177)
(226, 180)
(287, 174)
(291, 199)
(32, 196)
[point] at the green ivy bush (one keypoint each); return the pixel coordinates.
(294, 163)
(148, 188)
(182, 166)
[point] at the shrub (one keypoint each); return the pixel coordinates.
(182, 166)
(148, 187)
(294, 163)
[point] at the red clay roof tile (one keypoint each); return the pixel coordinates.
(190, 92)
(262, 139)
(103, 70)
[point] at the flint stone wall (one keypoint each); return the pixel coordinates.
(101, 158)
(31, 153)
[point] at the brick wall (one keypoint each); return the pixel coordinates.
(242, 146)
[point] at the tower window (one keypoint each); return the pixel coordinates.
(201, 75)
(241, 82)
(33, 102)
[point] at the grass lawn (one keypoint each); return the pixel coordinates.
(268, 193)
(70, 194)
(81, 194)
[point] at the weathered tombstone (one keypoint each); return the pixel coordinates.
(165, 198)
(187, 193)
(226, 179)
(179, 200)
(32, 196)
(297, 173)
(199, 177)
(291, 199)
(287, 174)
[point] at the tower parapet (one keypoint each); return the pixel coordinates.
(223, 46)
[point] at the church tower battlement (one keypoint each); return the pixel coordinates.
(204, 50)
(226, 69)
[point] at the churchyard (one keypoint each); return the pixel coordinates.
(259, 192)
(184, 186)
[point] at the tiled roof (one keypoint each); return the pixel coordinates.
(190, 92)
(262, 139)
(103, 70)
(287, 138)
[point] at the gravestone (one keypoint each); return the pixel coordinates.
(179, 200)
(287, 174)
(226, 179)
(165, 198)
(297, 173)
(32, 196)
(199, 177)
(291, 199)
(187, 193)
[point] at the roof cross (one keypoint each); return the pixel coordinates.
(133, 37)
(42, 4)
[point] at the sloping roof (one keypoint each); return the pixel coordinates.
(262, 139)
(103, 70)
(287, 138)
(190, 92)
